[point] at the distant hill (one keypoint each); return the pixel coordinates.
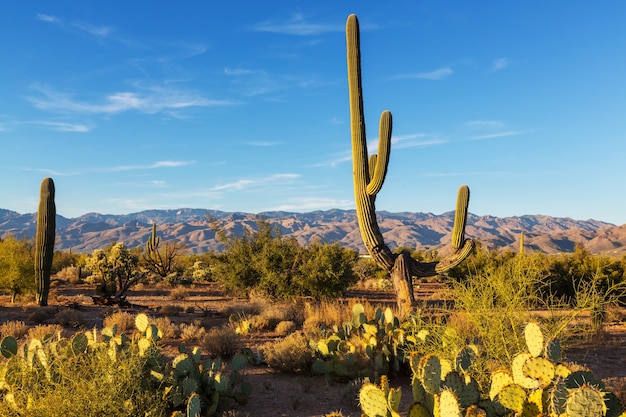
(423, 231)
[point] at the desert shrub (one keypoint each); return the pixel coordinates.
(179, 293)
(291, 354)
(367, 268)
(123, 320)
(326, 270)
(171, 309)
(17, 275)
(571, 274)
(168, 329)
(285, 327)
(42, 331)
(14, 328)
(69, 317)
(494, 305)
(378, 284)
(42, 314)
(64, 259)
(192, 332)
(240, 309)
(280, 267)
(222, 342)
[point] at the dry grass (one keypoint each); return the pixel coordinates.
(285, 327)
(331, 313)
(241, 309)
(41, 331)
(15, 328)
(222, 342)
(69, 317)
(42, 314)
(291, 354)
(171, 310)
(179, 293)
(168, 329)
(124, 321)
(192, 332)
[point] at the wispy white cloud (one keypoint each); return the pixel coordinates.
(299, 26)
(255, 182)
(438, 74)
(98, 31)
(48, 18)
(153, 99)
(158, 164)
(63, 126)
(500, 64)
(495, 135)
(415, 140)
(52, 172)
(120, 168)
(490, 124)
(237, 71)
(264, 144)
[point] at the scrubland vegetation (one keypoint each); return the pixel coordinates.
(471, 350)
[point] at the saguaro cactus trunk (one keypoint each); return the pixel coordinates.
(44, 240)
(369, 176)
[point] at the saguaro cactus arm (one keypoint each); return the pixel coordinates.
(44, 240)
(369, 175)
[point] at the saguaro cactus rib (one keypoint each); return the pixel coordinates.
(369, 176)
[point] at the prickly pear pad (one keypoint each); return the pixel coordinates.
(373, 401)
(534, 339)
(585, 401)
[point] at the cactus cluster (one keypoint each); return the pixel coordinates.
(361, 347)
(202, 386)
(536, 384)
(369, 175)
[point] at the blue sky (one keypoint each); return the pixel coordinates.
(243, 105)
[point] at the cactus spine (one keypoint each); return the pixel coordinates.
(369, 175)
(44, 240)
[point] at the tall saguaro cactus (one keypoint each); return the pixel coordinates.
(44, 240)
(369, 176)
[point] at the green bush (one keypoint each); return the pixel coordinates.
(17, 274)
(326, 270)
(279, 267)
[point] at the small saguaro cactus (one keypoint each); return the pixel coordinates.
(369, 175)
(44, 240)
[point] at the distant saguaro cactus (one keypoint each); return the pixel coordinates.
(44, 240)
(369, 175)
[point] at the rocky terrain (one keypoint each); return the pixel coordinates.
(424, 231)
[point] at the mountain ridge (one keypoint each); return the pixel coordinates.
(423, 231)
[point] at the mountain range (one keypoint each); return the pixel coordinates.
(422, 231)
